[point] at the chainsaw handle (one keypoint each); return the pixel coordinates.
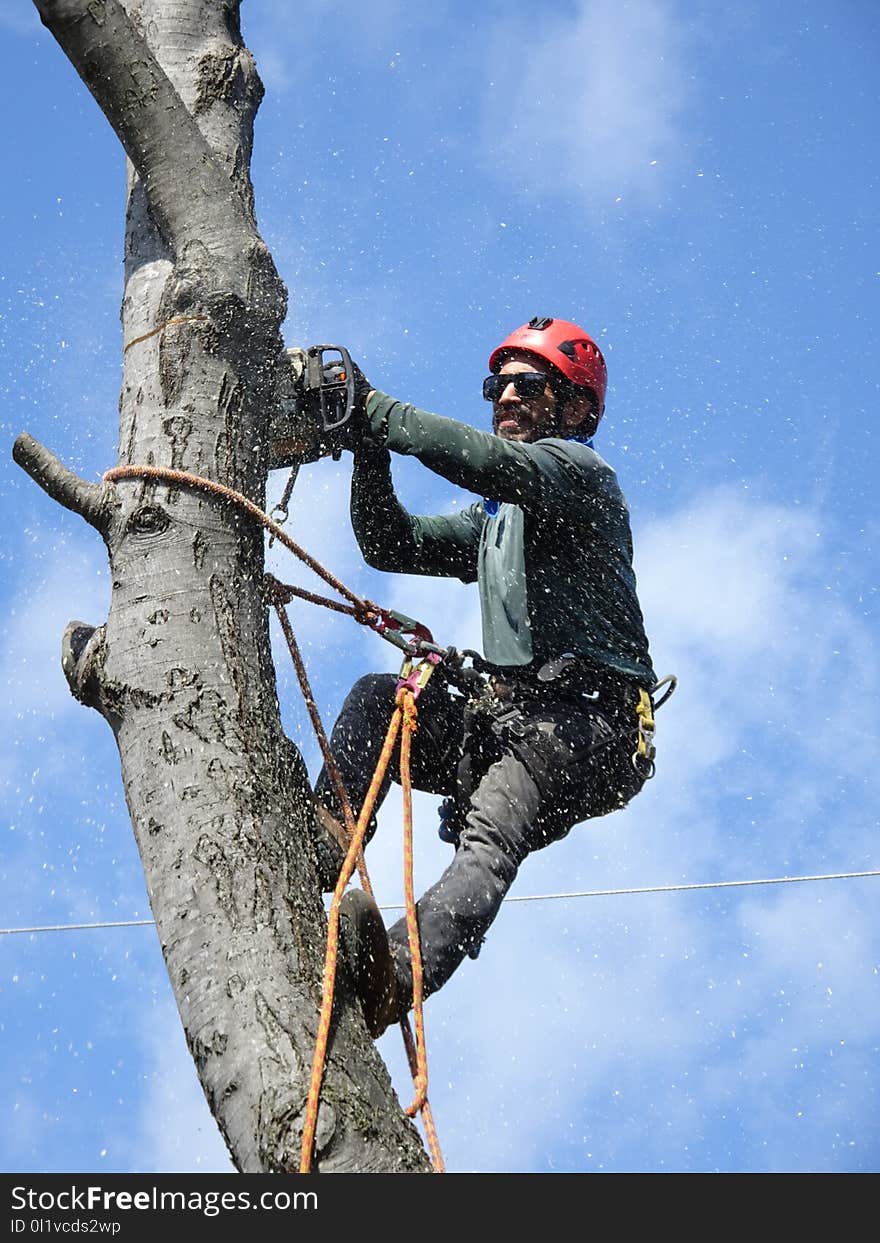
(316, 381)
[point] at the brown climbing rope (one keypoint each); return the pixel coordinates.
(405, 714)
(412, 680)
(163, 474)
(145, 336)
(277, 592)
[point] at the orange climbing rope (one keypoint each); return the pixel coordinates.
(406, 701)
(405, 714)
(330, 959)
(412, 681)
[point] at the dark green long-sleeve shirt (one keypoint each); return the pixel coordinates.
(553, 564)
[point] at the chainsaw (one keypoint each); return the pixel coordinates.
(316, 400)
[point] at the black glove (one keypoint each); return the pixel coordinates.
(367, 445)
(362, 390)
(352, 433)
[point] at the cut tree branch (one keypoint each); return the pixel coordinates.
(81, 649)
(92, 501)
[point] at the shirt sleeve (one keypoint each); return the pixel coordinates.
(548, 474)
(392, 539)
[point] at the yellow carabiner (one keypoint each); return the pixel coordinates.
(645, 750)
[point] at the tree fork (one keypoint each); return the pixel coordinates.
(189, 194)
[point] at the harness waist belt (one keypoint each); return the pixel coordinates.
(566, 676)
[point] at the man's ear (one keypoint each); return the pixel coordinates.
(579, 414)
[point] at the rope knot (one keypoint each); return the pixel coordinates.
(367, 614)
(277, 593)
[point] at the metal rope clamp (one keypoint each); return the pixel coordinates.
(421, 653)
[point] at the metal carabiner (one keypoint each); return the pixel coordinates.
(281, 507)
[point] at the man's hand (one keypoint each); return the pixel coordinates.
(362, 390)
(352, 433)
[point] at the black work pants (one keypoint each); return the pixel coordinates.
(522, 771)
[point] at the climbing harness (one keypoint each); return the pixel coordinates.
(421, 657)
(502, 707)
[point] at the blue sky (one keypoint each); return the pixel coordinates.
(699, 189)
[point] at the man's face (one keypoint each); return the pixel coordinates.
(524, 418)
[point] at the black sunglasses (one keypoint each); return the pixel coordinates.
(526, 384)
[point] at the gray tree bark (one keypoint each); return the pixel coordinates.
(182, 668)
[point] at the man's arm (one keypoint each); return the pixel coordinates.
(535, 476)
(392, 539)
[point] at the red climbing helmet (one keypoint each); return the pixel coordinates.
(567, 347)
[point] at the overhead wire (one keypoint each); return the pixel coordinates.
(530, 897)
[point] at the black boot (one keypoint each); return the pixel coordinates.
(364, 943)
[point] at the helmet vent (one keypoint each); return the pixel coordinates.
(569, 348)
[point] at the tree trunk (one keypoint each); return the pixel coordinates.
(182, 669)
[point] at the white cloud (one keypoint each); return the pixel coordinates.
(724, 572)
(589, 99)
(774, 670)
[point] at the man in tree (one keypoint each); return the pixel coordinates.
(550, 739)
